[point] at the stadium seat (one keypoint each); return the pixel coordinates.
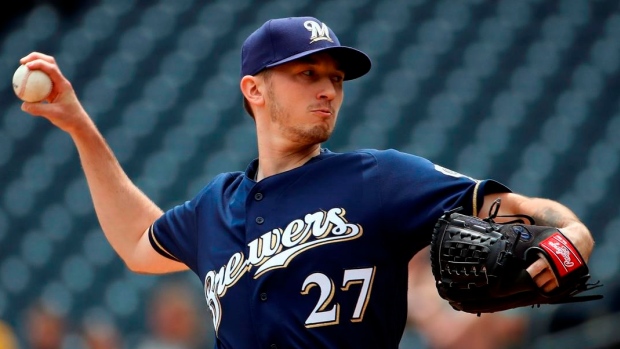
(521, 91)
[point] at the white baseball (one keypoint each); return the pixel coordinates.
(31, 85)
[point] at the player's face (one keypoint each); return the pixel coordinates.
(304, 97)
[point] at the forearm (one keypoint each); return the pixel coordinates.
(551, 213)
(545, 212)
(124, 212)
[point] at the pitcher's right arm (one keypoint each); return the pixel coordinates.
(125, 213)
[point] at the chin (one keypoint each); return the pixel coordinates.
(318, 134)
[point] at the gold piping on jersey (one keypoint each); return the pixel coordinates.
(475, 203)
(154, 239)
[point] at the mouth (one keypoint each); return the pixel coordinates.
(323, 112)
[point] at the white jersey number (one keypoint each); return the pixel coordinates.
(321, 315)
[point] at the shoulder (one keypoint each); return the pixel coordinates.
(387, 154)
(394, 158)
(222, 183)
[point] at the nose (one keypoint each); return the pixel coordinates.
(327, 90)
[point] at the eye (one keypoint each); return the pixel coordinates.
(338, 78)
(308, 72)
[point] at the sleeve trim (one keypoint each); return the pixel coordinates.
(475, 200)
(158, 247)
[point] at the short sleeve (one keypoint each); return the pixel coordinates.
(415, 192)
(173, 235)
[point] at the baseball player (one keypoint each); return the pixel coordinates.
(305, 248)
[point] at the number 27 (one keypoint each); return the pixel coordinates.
(320, 316)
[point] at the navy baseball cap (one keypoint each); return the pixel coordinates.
(286, 39)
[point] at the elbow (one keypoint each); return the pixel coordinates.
(152, 264)
(139, 269)
(133, 266)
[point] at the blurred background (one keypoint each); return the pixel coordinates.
(522, 91)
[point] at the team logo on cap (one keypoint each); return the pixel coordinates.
(319, 31)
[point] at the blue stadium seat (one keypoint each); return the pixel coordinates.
(496, 32)
(137, 43)
(464, 84)
(18, 198)
(140, 117)
(241, 140)
(188, 37)
(201, 117)
(161, 168)
(77, 197)
(559, 31)
(577, 11)
(57, 221)
(605, 55)
(100, 95)
(97, 249)
(400, 85)
(178, 67)
(160, 20)
(77, 45)
(436, 35)
(394, 16)
(77, 273)
(481, 58)
(515, 14)
(99, 22)
(6, 148)
(17, 124)
(521, 91)
(527, 83)
(181, 143)
(456, 14)
(428, 139)
(36, 248)
(122, 142)
(57, 147)
(338, 15)
(543, 57)
(418, 59)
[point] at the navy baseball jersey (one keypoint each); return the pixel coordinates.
(315, 257)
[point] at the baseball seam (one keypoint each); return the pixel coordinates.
(22, 89)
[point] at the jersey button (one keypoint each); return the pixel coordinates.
(258, 196)
(263, 296)
(260, 220)
(273, 346)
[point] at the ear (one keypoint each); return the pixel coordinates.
(250, 88)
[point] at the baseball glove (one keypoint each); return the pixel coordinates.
(480, 266)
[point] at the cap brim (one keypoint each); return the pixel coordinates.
(354, 63)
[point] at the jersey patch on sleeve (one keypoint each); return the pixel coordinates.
(452, 173)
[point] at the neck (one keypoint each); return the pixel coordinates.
(271, 162)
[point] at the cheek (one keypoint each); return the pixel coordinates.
(337, 102)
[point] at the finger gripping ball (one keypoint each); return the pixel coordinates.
(31, 85)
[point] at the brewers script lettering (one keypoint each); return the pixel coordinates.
(275, 249)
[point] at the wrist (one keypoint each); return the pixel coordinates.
(581, 238)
